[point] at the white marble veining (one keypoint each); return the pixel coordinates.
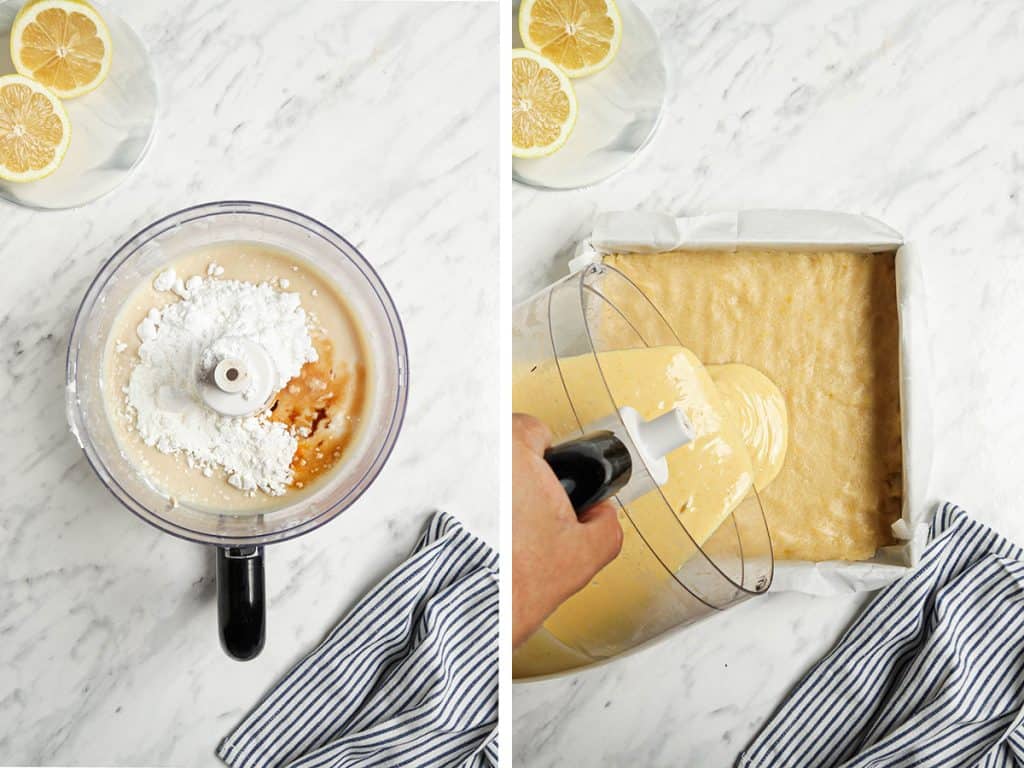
(910, 111)
(375, 118)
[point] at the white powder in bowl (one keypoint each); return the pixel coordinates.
(254, 452)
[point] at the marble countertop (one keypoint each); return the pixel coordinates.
(375, 118)
(910, 111)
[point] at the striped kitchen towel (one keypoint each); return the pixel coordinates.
(408, 678)
(931, 674)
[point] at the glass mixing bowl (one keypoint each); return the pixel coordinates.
(239, 536)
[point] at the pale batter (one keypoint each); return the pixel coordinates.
(323, 406)
(823, 327)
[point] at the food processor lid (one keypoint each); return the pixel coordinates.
(599, 310)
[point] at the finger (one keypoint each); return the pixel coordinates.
(603, 534)
(533, 433)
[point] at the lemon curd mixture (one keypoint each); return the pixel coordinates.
(322, 406)
(739, 421)
(790, 378)
(710, 476)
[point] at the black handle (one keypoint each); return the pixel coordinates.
(591, 468)
(241, 602)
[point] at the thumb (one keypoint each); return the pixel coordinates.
(532, 432)
(602, 534)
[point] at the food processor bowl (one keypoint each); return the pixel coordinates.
(669, 573)
(239, 537)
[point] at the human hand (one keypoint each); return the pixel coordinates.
(554, 553)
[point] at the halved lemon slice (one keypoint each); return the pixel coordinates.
(543, 105)
(63, 44)
(34, 130)
(580, 36)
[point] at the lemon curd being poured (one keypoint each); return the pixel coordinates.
(740, 424)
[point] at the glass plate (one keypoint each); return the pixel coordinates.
(111, 128)
(619, 110)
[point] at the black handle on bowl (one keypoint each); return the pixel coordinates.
(241, 601)
(591, 468)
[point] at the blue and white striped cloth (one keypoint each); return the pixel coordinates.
(931, 674)
(408, 678)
